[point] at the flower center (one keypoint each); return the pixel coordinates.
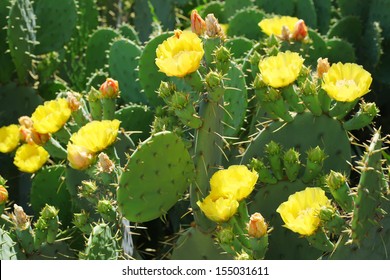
(345, 83)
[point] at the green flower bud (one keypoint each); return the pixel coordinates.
(292, 164)
(365, 115)
(213, 80)
(49, 212)
(94, 95)
(340, 190)
(105, 208)
(222, 59)
(80, 220)
(274, 152)
(166, 89)
(314, 163)
(225, 235)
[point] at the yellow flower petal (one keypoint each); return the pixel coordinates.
(220, 209)
(9, 138)
(30, 158)
(346, 82)
(236, 181)
(180, 54)
(282, 69)
(300, 211)
(274, 26)
(96, 135)
(51, 116)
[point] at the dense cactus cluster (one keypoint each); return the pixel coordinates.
(189, 129)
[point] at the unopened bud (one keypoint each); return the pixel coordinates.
(3, 195)
(49, 212)
(225, 236)
(300, 31)
(79, 157)
(73, 101)
(213, 28)
(257, 227)
(335, 180)
(110, 88)
(166, 89)
(80, 220)
(20, 218)
(198, 25)
(213, 79)
(87, 189)
(285, 33)
(243, 256)
(322, 66)
(316, 155)
(105, 164)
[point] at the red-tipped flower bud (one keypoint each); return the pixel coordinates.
(198, 25)
(110, 88)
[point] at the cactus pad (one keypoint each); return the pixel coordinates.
(245, 23)
(7, 250)
(123, 61)
(156, 176)
(101, 244)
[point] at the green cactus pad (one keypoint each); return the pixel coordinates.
(348, 28)
(24, 100)
(281, 7)
(340, 51)
(354, 7)
(7, 250)
(137, 118)
(123, 147)
(216, 8)
(156, 176)
(123, 61)
(245, 23)
(235, 99)
(283, 243)
(149, 76)
(192, 244)
(6, 63)
(48, 186)
(21, 37)
(371, 47)
(88, 15)
(101, 244)
(232, 6)
(304, 132)
(59, 250)
(239, 46)
(323, 10)
(56, 21)
(305, 10)
(369, 190)
(379, 11)
(128, 32)
(97, 49)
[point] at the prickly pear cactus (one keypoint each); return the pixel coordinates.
(156, 176)
(7, 250)
(101, 244)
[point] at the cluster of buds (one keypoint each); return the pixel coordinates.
(28, 134)
(209, 26)
(299, 33)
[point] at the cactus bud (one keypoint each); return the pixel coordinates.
(340, 190)
(274, 151)
(198, 25)
(314, 163)
(214, 85)
(79, 157)
(285, 33)
(3, 195)
(110, 88)
(105, 208)
(20, 218)
(105, 164)
(277, 105)
(300, 31)
(73, 101)
(257, 227)
(331, 220)
(292, 164)
(225, 235)
(222, 59)
(265, 176)
(80, 220)
(166, 89)
(213, 28)
(322, 66)
(365, 115)
(179, 100)
(88, 190)
(259, 84)
(49, 212)
(310, 97)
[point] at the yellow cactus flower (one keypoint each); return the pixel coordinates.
(236, 181)
(9, 138)
(180, 54)
(30, 158)
(96, 135)
(282, 69)
(300, 212)
(346, 82)
(51, 116)
(79, 157)
(220, 209)
(275, 25)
